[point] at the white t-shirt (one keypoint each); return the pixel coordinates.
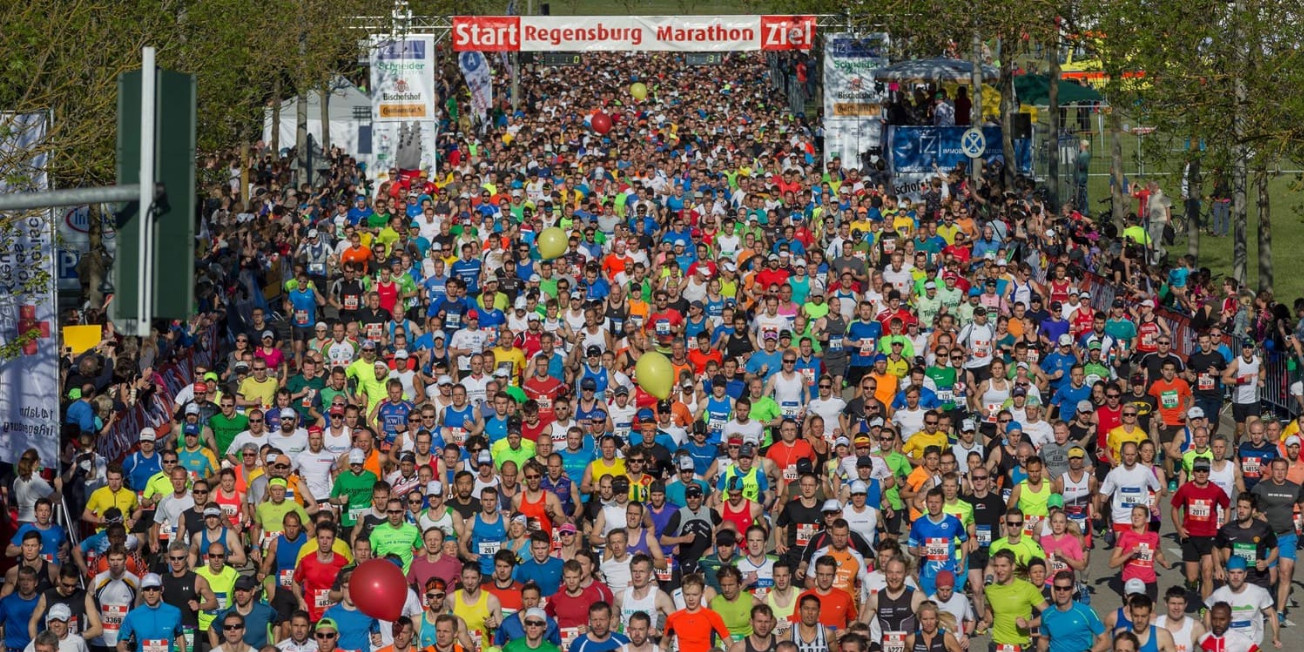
(315, 469)
(1128, 487)
(1247, 609)
(828, 409)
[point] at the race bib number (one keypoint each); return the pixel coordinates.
(894, 641)
(568, 635)
(154, 645)
(317, 269)
(1252, 466)
(937, 549)
(809, 375)
(1005, 647)
(790, 408)
(984, 534)
(374, 330)
(167, 530)
(1199, 510)
(1205, 382)
(1145, 554)
(321, 598)
(286, 577)
(356, 513)
(456, 435)
(867, 348)
(805, 532)
(1032, 524)
(762, 589)
(111, 616)
(716, 425)
(488, 548)
(668, 573)
(301, 317)
(945, 396)
(663, 328)
(544, 402)
(1168, 399)
(1247, 551)
(835, 344)
(1131, 496)
(993, 410)
(790, 473)
(351, 302)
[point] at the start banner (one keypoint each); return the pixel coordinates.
(632, 33)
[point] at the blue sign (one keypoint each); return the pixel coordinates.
(916, 150)
(414, 49)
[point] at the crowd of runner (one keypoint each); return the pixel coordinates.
(896, 425)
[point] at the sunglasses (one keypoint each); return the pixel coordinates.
(1014, 523)
(826, 387)
(326, 635)
(232, 628)
(1063, 588)
(434, 596)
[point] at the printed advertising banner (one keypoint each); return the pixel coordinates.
(403, 79)
(920, 150)
(632, 33)
(853, 101)
(29, 380)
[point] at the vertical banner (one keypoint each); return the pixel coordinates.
(29, 371)
(403, 79)
(476, 70)
(404, 145)
(853, 101)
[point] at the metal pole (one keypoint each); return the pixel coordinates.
(976, 80)
(69, 197)
(145, 263)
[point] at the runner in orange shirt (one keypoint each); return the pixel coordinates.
(837, 608)
(694, 625)
(1175, 398)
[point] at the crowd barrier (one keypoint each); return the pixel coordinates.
(1275, 393)
(157, 412)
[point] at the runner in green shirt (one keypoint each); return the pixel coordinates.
(270, 514)
(225, 425)
(1009, 604)
(395, 536)
(352, 489)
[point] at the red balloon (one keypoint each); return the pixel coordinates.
(601, 123)
(378, 588)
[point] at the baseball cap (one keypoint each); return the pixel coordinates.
(1055, 500)
(1292, 440)
(277, 482)
(1200, 464)
(567, 528)
(1077, 451)
(246, 583)
(693, 491)
(148, 434)
(356, 456)
(435, 488)
(401, 354)
(1196, 412)
(968, 425)
(1138, 586)
(1086, 406)
(268, 335)
(484, 458)
(535, 613)
(444, 380)
(1019, 391)
(841, 441)
(859, 487)
(686, 464)
(327, 623)
(593, 352)
(289, 413)
(1233, 563)
(726, 538)
(621, 389)
(213, 511)
(831, 505)
(151, 580)
(589, 384)
(58, 612)
(193, 408)
(1065, 340)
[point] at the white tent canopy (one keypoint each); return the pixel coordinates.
(344, 127)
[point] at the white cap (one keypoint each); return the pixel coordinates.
(1292, 440)
(520, 303)
(859, 487)
(484, 458)
(58, 612)
(841, 441)
(312, 233)
(831, 505)
(968, 425)
(1196, 412)
(1086, 406)
(534, 316)
(148, 434)
(289, 413)
(1065, 339)
(1134, 585)
(435, 488)
(151, 579)
(534, 613)
(401, 353)
(356, 456)
(444, 380)
(192, 408)
(930, 285)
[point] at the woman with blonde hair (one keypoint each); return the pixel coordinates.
(931, 636)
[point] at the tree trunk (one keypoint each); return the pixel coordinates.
(1009, 107)
(1116, 166)
(1052, 98)
(245, 164)
(1240, 156)
(275, 144)
(301, 136)
(1265, 230)
(1193, 228)
(325, 119)
(91, 269)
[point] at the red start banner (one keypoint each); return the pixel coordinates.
(632, 33)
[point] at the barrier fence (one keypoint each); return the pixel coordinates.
(1280, 371)
(157, 412)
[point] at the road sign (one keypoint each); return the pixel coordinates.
(973, 143)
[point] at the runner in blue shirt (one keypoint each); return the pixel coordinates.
(934, 539)
(1070, 626)
(154, 624)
